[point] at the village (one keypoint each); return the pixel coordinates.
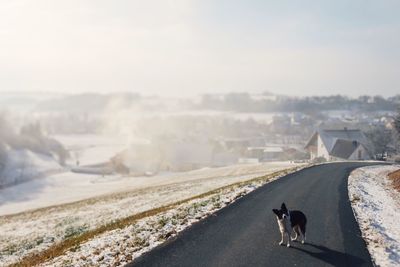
(134, 135)
(290, 140)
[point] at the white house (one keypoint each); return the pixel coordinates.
(344, 144)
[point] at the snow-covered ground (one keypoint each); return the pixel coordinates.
(376, 206)
(69, 187)
(92, 149)
(113, 198)
(23, 165)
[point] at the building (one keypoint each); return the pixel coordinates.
(265, 153)
(343, 144)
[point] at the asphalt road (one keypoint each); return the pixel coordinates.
(246, 232)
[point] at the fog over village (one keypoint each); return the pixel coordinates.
(169, 133)
(126, 133)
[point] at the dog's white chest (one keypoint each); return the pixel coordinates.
(284, 225)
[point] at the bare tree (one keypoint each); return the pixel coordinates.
(3, 161)
(396, 126)
(381, 139)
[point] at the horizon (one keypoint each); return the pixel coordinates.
(144, 94)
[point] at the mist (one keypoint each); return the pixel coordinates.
(141, 134)
(123, 123)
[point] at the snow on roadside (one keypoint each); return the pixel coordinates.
(376, 207)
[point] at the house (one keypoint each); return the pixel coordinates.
(241, 143)
(265, 153)
(343, 144)
(273, 153)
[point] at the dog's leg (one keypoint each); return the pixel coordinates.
(304, 238)
(296, 231)
(280, 243)
(295, 236)
(288, 239)
(303, 233)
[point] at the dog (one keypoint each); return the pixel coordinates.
(289, 221)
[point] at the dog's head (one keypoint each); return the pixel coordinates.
(282, 213)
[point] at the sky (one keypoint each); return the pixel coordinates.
(191, 47)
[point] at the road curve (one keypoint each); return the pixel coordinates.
(246, 233)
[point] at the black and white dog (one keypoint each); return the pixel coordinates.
(291, 220)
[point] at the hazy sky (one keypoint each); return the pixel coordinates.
(189, 47)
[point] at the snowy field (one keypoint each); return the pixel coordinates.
(376, 206)
(71, 187)
(92, 149)
(110, 198)
(23, 165)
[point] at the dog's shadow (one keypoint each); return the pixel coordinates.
(331, 257)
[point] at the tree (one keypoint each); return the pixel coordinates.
(396, 122)
(3, 161)
(396, 126)
(380, 137)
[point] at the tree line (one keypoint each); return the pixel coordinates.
(244, 102)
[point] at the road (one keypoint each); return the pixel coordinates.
(246, 232)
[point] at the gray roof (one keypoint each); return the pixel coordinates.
(329, 137)
(344, 148)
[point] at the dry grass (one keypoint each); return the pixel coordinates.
(355, 199)
(395, 177)
(73, 242)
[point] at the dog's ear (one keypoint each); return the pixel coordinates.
(283, 206)
(275, 211)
